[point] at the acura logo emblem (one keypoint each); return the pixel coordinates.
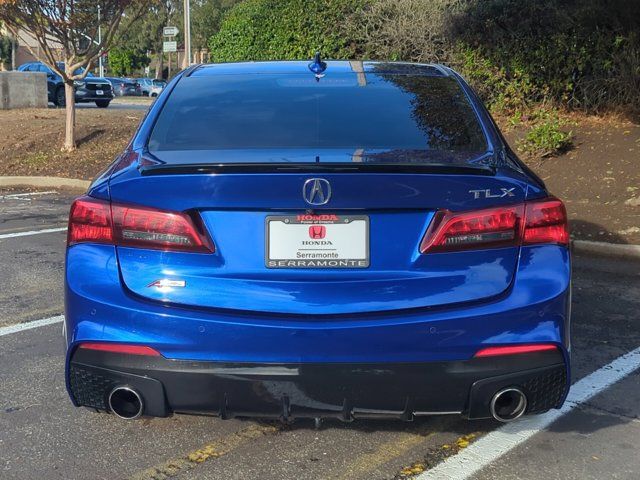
(316, 191)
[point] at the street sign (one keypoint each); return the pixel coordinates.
(169, 47)
(170, 31)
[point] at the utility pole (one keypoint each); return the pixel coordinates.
(100, 65)
(187, 35)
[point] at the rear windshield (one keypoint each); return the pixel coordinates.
(397, 117)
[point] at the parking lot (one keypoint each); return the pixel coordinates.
(43, 436)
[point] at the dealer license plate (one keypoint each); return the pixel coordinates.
(317, 241)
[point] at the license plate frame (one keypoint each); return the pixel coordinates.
(355, 224)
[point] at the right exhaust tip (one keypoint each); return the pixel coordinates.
(508, 404)
(125, 403)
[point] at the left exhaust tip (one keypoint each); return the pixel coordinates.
(126, 403)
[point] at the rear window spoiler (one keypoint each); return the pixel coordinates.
(208, 168)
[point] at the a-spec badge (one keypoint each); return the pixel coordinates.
(168, 283)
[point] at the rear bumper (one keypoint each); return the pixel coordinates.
(398, 363)
(84, 95)
(344, 391)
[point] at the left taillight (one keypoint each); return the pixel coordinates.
(97, 221)
(540, 221)
(89, 221)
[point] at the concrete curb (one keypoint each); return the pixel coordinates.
(607, 249)
(47, 182)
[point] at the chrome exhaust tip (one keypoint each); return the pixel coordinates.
(508, 404)
(125, 403)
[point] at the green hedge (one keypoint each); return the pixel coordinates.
(284, 29)
(578, 53)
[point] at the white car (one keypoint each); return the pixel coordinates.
(156, 87)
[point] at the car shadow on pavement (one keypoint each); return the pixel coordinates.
(427, 425)
(593, 232)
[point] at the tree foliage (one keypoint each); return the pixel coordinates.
(142, 35)
(124, 61)
(206, 17)
(146, 34)
(5, 50)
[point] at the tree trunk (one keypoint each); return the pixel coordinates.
(159, 65)
(70, 131)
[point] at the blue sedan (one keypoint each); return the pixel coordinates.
(325, 239)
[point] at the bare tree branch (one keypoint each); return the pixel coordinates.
(72, 26)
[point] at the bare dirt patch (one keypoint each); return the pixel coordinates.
(30, 141)
(599, 179)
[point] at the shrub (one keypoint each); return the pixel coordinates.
(547, 137)
(415, 30)
(284, 29)
(5, 50)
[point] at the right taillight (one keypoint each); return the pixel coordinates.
(541, 221)
(96, 221)
(546, 222)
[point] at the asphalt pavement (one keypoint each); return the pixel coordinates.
(119, 103)
(43, 436)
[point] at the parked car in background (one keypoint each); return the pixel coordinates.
(157, 87)
(124, 86)
(132, 88)
(118, 85)
(146, 84)
(91, 89)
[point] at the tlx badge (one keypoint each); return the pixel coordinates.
(486, 193)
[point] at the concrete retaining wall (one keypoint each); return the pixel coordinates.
(23, 90)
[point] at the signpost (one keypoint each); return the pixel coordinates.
(170, 31)
(169, 46)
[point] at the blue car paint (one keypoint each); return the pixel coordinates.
(525, 299)
(100, 308)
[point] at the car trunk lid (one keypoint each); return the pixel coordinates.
(236, 208)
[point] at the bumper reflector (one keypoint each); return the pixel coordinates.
(121, 348)
(514, 349)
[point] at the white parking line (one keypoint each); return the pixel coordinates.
(29, 325)
(497, 443)
(23, 195)
(31, 232)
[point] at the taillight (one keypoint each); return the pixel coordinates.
(543, 221)
(89, 221)
(546, 222)
(458, 231)
(96, 221)
(150, 228)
